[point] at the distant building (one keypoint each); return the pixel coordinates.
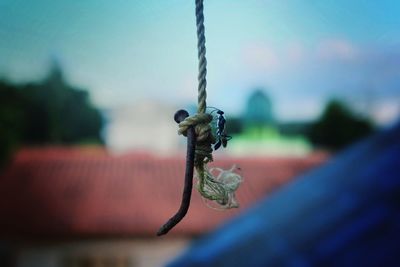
(144, 126)
(82, 207)
(261, 135)
(259, 111)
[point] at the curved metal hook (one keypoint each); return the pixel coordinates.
(181, 115)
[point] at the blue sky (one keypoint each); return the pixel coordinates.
(301, 52)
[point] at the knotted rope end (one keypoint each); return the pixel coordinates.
(204, 137)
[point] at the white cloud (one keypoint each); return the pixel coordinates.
(386, 111)
(260, 56)
(297, 73)
(295, 52)
(336, 49)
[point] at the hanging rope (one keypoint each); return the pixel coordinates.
(211, 187)
(201, 54)
(194, 127)
(213, 184)
(201, 120)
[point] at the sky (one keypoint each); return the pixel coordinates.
(302, 53)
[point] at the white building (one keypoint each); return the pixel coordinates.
(143, 126)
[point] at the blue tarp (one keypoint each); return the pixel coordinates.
(345, 213)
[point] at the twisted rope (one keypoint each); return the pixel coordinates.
(221, 188)
(201, 54)
(201, 120)
(197, 128)
(204, 137)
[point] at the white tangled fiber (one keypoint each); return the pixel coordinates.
(218, 187)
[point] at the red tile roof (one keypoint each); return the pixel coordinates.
(88, 192)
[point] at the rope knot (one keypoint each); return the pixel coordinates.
(204, 137)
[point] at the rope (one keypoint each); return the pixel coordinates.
(218, 188)
(221, 188)
(201, 54)
(204, 137)
(201, 120)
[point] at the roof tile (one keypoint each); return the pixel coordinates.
(86, 191)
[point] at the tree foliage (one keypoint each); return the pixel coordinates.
(48, 112)
(338, 127)
(12, 119)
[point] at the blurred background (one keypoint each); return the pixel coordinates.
(90, 160)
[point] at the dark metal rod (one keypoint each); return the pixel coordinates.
(180, 115)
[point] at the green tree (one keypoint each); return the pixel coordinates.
(59, 113)
(234, 125)
(12, 119)
(48, 112)
(338, 127)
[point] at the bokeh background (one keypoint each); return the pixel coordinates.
(91, 163)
